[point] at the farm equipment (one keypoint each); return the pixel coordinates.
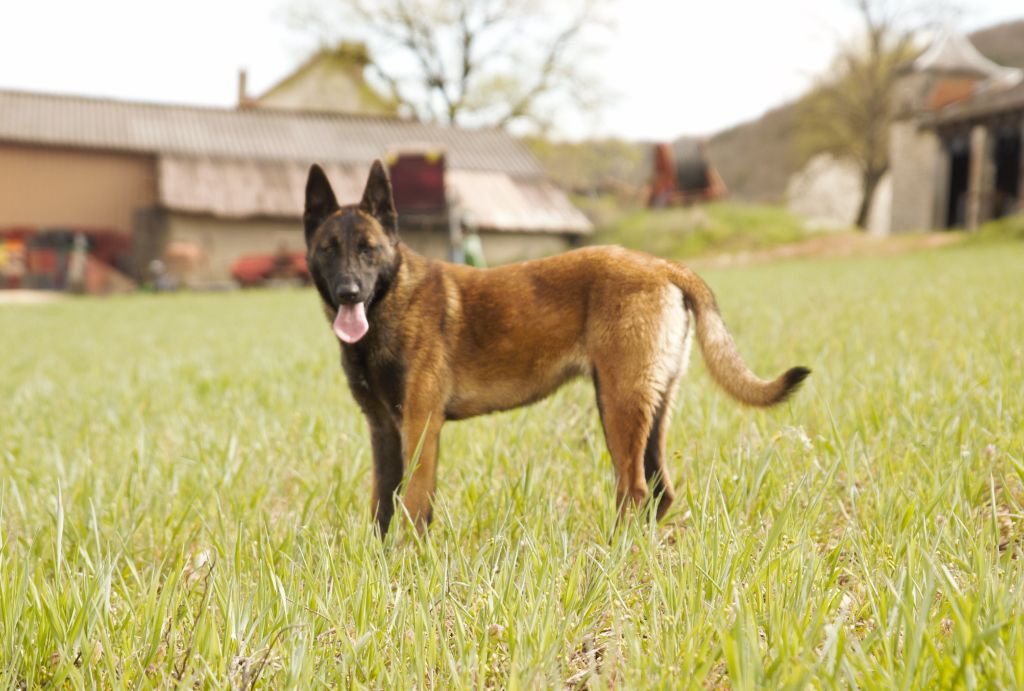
(254, 270)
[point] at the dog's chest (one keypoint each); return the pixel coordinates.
(377, 383)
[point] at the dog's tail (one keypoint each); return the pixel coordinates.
(723, 360)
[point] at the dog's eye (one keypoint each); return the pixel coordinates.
(366, 250)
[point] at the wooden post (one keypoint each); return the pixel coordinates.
(1020, 163)
(979, 180)
(940, 185)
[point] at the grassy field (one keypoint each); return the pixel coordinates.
(184, 481)
(717, 227)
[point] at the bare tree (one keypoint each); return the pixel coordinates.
(478, 62)
(849, 113)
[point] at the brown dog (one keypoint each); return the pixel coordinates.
(424, 341)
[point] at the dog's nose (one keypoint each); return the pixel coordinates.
(347, 291)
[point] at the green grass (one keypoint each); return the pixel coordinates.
(1001, 230)
(688, 231)
(184, 484)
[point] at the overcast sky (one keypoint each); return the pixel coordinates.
(674, 66)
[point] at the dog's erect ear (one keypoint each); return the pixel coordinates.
(320, 201)
(378, 200)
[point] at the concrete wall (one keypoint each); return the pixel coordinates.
(916, 161)
(51, 188)
(46, 187)
(504, 248)
(826, 194)
(220, 242)
(500, 247)
(1020, 180)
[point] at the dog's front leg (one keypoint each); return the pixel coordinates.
(387, 470)
(422, 417)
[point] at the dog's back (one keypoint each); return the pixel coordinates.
(522, 330)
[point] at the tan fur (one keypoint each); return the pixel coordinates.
(720, 353)
(514, 334)
(451, 342)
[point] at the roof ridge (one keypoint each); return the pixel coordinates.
(201, 107)
(258, 111)
(246, 133)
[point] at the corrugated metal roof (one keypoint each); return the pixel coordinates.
(257, 133)
(247, 188)
(495, 201)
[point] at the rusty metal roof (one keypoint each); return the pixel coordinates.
(253, 133)
(243, 189)
(494, 201)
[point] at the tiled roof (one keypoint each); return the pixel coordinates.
(981, 105)
(247, 134)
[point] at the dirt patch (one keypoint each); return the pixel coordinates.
(835, 245)
(29, 297)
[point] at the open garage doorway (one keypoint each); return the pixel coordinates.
(959, 151)
(1007, 155)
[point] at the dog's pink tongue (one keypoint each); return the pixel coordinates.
(350, 325)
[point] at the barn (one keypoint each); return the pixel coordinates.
(214, 184)
(956, 145)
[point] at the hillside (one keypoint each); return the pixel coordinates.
(594, 166)
(757, 158)
(1002, 43)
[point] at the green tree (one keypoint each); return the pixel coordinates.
(849, 113)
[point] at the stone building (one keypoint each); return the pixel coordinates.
(956, 155)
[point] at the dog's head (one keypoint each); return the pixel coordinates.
(351, 250)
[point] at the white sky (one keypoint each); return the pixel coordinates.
(674, 66)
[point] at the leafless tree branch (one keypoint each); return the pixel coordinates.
(485, 62)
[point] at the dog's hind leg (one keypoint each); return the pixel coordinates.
(655, 467)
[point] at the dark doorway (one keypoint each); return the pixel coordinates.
(959, 151)
(1008, 163)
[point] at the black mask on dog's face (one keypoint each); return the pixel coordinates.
(350, 250)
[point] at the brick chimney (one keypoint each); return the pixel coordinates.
(243, 93)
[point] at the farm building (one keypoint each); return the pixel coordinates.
(955, 84)
(329, 81)
(956, 148)
(208, 185)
